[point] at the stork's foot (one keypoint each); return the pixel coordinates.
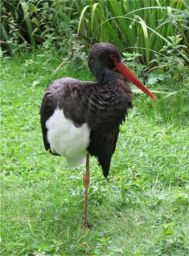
(87, 226)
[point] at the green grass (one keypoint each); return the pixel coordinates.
(143, 209)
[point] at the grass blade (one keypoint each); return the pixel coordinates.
(28, 23)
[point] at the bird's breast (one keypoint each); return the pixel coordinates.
(107, 108)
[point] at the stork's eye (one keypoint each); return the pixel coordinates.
(113, 57)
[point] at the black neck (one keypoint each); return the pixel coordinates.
(104, 76)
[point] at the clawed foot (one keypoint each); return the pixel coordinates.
(87, 226)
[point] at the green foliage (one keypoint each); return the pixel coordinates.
(145, 26)
(143, 208)
(150, 28)
(35, 23)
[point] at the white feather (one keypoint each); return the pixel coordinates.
(66, 139)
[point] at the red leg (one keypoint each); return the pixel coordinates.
(86, 184)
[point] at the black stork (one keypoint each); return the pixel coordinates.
(79, 118)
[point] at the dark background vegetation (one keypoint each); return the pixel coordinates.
(145, 27)
(153, 33)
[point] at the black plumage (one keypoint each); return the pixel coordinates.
(79, 118)
(102, 105)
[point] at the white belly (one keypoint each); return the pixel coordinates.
(66, 139)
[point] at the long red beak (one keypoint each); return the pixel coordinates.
(124, 70)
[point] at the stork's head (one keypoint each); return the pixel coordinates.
(106, 55)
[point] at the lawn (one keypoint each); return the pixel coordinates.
(142, 209)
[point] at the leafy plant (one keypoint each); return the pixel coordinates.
(51, 24)
(145, 26)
